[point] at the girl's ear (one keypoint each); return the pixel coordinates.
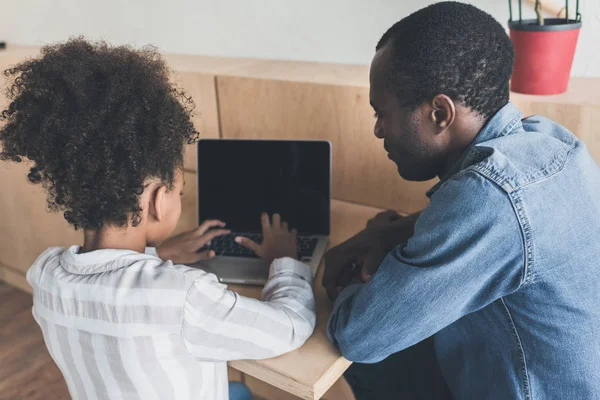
(157, 203)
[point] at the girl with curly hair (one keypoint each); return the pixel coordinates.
(104, 131)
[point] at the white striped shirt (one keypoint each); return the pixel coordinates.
(125, 325)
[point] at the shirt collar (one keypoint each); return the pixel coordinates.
(98, 261)
(502, 123)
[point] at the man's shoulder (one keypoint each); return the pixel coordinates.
(537, 151)
(470, 190)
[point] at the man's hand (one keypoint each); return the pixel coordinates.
(358, 259)
(385, 231)
(183, 248)
(353, 261)
(383, 219)
(278, 240)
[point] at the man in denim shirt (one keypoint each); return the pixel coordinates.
(502, 269)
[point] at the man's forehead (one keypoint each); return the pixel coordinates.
(377, 72)
(378, 62)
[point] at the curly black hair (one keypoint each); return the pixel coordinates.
(453, 49)
(97, 121)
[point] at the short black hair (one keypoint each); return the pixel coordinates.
(454, 49)
(96, 121)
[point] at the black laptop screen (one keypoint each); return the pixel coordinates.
(239, 179)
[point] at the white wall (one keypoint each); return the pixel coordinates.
(343, 31)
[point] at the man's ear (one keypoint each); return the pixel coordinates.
(443, 111)
(157, 203)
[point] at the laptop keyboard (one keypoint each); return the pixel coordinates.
(226, 246)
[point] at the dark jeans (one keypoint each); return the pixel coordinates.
(411, 374)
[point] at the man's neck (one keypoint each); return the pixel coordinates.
(128, 238)
(466, 128)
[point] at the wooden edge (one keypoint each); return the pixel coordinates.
(582, 90)
(329, 378)
(219, 124)
(14, 278)
(266, 375)
(292, 79)
(233, 375)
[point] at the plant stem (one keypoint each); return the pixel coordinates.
(538, 11)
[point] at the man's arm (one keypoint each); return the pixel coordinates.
(466, 252)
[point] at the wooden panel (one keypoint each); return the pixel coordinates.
(201, 87)
(310, 371)
(234, 375)
(208, 64)
(13, 55)
(262, 390)
(302, 71)
(26, 228)
(14, 278)
(362, 173)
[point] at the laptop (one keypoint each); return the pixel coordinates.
(239, 179)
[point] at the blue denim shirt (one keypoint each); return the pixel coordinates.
(503, 268)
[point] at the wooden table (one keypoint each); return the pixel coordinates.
(312, 369)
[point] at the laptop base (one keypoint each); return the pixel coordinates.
(253, 271)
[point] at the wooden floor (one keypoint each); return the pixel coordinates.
(26, 368)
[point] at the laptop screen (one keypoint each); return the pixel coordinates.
(240, 179)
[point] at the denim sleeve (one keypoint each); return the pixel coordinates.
(467, 251)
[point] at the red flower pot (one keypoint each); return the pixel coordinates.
(543, 54)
